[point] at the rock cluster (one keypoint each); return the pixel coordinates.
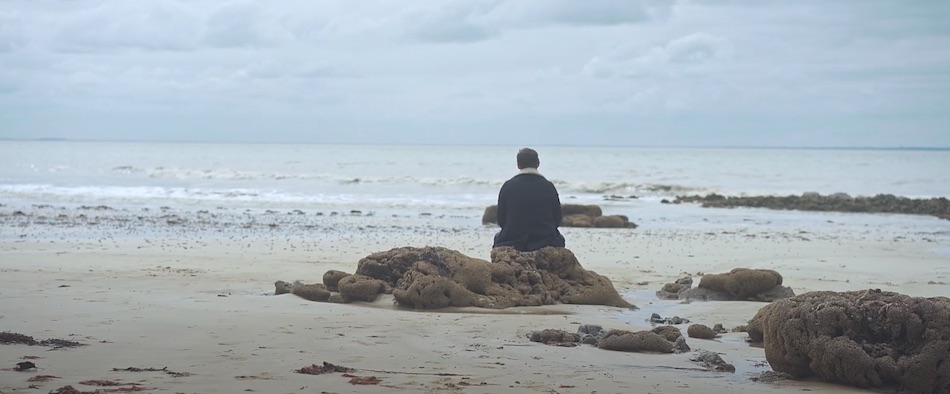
(575, 215)
(663, 339)
(713, 361)
(740, 284)
(434, 277)
(868, 338)
(839, 202)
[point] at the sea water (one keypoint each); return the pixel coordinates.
(458, 181)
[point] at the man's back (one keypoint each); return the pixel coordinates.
(529, 213)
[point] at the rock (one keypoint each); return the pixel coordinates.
(677, 320)
(576, 209)
(838, 202)
(360, 288)
(742, 282)
(282, 287)
(656, 319)
(431, 277)
(700, 331)
(589, 339)
(550, 336)
(672, 291)
(756, 327)
(577, 221)
(490, 216)
(640, 341)
(332, 277)
(713, 361)
(680, 346)
(701, 294)
(719, 329)
(574, 215)
(670, 333)
(535, 336)
(609, 222)
(312, 292)
(591, 329)
(868, 338)
(771, 377)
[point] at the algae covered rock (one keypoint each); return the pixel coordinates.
(640, 341)
(432, 277)
(868, 338)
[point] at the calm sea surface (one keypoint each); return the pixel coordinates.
(437, 177)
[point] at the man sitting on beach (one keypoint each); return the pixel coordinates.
(529, 210)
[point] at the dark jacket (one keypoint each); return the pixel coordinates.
(529, 213)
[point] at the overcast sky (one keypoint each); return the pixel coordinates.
(539, 72)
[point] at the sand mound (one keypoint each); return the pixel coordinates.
(434, 277)
(866, 338)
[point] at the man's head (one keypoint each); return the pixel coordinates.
(528, 158)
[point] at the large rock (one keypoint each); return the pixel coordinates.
(312, 292)
(640, 341)
(332, 277)
(360, 288)
(434, 277)
(740, 284)
(577, 209)
(490, 215)
(577, 220)
(838, 202)
(574, 215)
(866, 338)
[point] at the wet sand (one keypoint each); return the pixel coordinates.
(196, 298)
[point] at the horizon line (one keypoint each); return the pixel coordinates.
(789, 147)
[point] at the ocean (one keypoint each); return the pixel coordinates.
(452, 182)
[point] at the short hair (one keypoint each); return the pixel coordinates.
(528, 158)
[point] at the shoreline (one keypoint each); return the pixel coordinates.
(195, 299)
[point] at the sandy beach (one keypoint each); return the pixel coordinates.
(199, 302)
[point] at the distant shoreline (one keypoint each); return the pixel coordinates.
(825, 148)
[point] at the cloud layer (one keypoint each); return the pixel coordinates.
(609, 72)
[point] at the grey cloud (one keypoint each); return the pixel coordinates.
(12, 34)
(241, 24)
(449, 21)
(146, 24)
(589, 13)
(477, 71)
(678, 55)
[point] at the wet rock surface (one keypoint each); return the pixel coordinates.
(434, 277)
(740, 284)
(868, 338)
(574, 215)
(713, 361)
(839, 202)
